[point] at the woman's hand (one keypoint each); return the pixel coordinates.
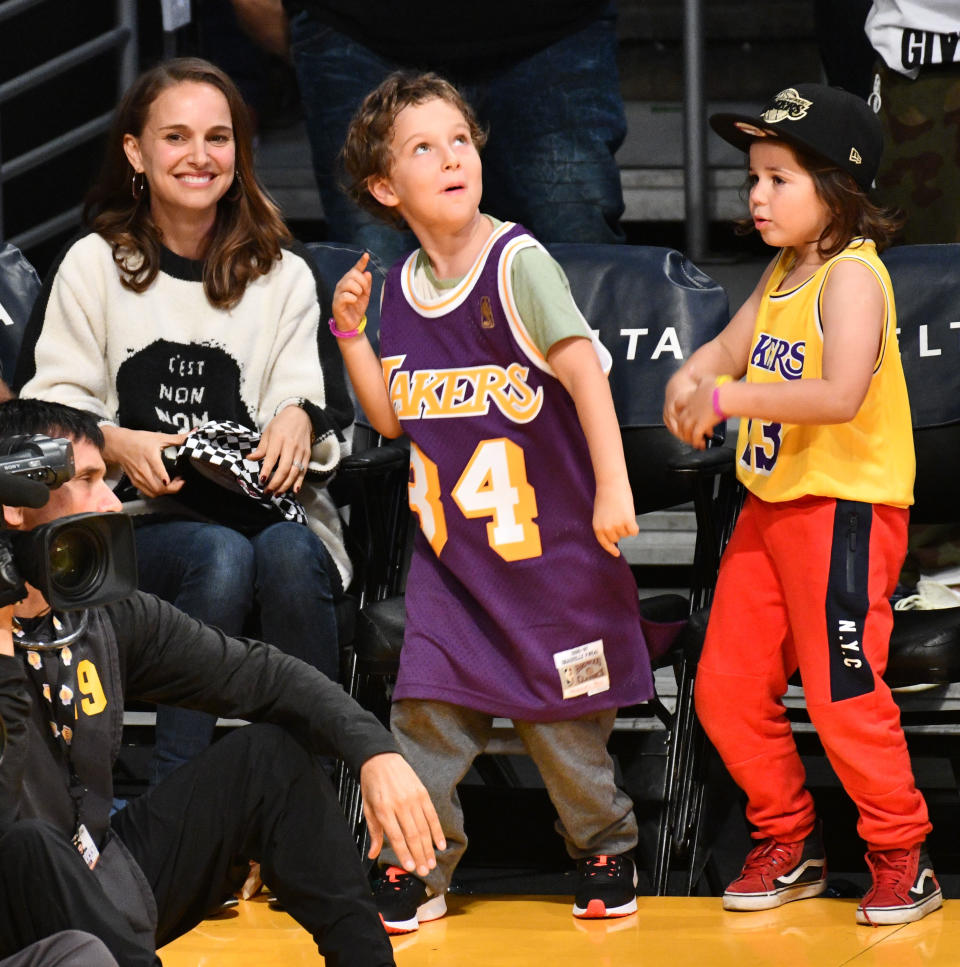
(138, 452)
(352, 296)
(284, 450)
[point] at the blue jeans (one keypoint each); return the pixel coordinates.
(555, 120)
(217, 575)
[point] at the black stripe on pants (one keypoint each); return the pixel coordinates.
(848, 600)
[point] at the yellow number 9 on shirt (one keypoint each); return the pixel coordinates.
(88, 682)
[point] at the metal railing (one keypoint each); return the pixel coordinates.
(122, 38)
(694, 132)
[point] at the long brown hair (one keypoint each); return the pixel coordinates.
(853, 214)
(248, 230)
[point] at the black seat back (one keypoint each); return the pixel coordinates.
(926, 285)
(19, 286)
(925, 646)
(652, 308)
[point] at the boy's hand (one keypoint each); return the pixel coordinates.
(679, 390)
(613, 516)
(352, 296)
(697, 417)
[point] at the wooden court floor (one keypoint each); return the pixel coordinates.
(521, 931)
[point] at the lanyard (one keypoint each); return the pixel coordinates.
(46, 642)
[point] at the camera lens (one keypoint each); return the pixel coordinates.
(79, 561)
(75, 560)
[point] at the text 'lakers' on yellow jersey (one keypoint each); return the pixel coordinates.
(870, 458)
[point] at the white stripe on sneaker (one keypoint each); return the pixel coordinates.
(800, 870)
(918, 889)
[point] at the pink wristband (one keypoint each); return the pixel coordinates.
(340, 334)
(716, 404)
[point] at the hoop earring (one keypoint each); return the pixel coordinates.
(237, 187)
(137, 189)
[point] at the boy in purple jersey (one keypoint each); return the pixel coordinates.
(518, 602)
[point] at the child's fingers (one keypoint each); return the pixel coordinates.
(700, 434)
(348, 286)
(607, 541)
(609, 546)
(360, 280)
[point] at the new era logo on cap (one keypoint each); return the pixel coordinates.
(855, 156)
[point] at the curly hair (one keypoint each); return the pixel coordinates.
(366, 151)
(248, 231)
(853, 214)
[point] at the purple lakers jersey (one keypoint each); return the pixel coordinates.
(513, 608)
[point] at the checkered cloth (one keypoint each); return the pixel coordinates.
(219, 449)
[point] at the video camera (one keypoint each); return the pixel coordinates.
(79, 561)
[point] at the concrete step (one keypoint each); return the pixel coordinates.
(666, 537)
(651, 163)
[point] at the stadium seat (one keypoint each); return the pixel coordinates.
(925, 647)
(19, 286)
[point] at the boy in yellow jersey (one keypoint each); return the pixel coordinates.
(826, 454)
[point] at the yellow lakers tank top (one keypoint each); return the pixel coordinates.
(871, 457)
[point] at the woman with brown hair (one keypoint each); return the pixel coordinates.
(188, 302)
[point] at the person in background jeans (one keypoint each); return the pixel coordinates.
(542, 76)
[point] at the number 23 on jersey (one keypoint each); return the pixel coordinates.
(761, 457)
(493, 484)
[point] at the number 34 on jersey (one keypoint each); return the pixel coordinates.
(493, 484)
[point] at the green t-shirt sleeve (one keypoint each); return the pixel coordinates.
(544, 301)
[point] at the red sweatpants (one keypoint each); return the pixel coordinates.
(806, 584)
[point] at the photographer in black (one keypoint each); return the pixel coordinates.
(146, 874)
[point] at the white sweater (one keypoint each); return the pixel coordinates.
(167, 360)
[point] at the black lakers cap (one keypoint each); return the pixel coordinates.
(829, 121)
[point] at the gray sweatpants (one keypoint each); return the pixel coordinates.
(440, 741)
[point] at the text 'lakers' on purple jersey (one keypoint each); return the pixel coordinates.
(513, 608)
